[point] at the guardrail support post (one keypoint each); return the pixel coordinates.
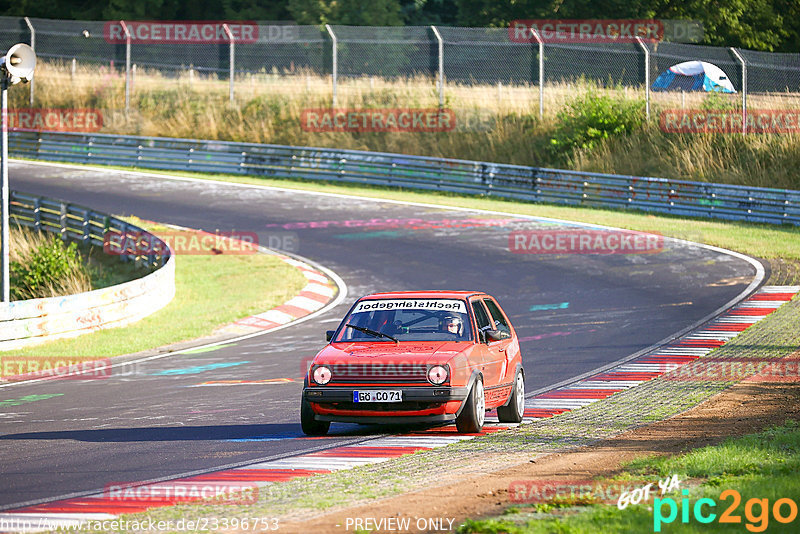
(646, 76)
(334, 66)
(33, 46)
(231, 61)
(539, 40)
(62, 219)
(744, 88)
(127, 65)
(441, 65)
(37, 214)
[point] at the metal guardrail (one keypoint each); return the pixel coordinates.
(27, 322)
(80, 224)
(534, 184)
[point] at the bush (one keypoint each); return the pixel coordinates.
(590, 118)
(48, 268)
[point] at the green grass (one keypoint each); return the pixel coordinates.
(210, 291)
(775, 451)
(758, 466)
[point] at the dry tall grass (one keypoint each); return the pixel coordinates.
(494, 122)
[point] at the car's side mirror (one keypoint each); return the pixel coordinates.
(329, 334)
(494, 335)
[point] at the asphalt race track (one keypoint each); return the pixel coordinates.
(573, 313)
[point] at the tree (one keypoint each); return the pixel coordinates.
(372, 13)
(309, 12)
(426, 12)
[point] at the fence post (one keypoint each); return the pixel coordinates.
(231, 61)
(33, 46)
(646, 76)
(744, 88)
(334, 65)
(538, 38)
(441, 65)
(127, 65)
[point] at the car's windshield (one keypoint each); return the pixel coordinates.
(407, 320)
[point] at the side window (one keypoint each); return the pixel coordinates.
(498, 320)
(481, 317)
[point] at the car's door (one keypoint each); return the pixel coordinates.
(501, 348)
(492, 355)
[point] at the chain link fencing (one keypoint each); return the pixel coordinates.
(413, 66)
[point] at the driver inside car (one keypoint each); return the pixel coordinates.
(453, 324)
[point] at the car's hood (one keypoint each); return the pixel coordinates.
(405, 351)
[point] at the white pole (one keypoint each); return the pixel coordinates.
(646, 76)
(441, 65)
(231, 61)
(127, 65)
(334, 66)
(6, 191)
(744, 89)
(33, 46)
(541, 71)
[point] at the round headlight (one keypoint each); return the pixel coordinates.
(437, 374)
(322, 375)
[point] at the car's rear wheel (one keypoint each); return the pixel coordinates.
(515, 409)
(471, 418)
(310, 426)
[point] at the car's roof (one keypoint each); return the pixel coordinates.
(423, 294)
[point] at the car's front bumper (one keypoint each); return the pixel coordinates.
(431, 404)
(410, 394)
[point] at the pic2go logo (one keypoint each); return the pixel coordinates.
(756, 511)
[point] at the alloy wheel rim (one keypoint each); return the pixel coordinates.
(520, 395)
(480, 403)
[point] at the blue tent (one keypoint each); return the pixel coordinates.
(693, 76)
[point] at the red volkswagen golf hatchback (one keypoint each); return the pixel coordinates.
(417, 357)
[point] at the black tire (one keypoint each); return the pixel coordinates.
(514, 411)
(470, 420)
(310, 426)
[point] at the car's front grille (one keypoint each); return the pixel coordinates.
(360, 373)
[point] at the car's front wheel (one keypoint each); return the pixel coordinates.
(310, 426)
(471, 418)
(515, 409)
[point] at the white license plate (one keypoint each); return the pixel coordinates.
(378, 396)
